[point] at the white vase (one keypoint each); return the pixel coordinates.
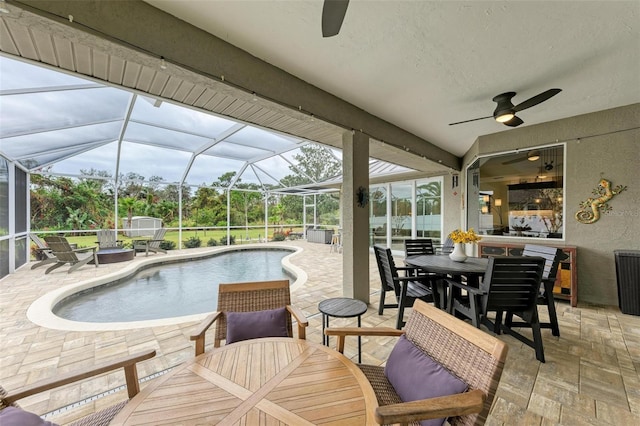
(458, 254)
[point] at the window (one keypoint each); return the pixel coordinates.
(518, 194)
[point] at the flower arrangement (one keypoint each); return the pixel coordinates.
(460, 236)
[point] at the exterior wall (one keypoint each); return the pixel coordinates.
(615, 156)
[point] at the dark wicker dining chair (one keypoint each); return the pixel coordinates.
(470, 354)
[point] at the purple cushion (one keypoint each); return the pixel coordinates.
(415, 375)
(252, 325)
(14, 416)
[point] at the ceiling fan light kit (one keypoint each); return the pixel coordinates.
(505, 111)
(533, 155)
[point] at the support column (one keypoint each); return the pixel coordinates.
(355, 217)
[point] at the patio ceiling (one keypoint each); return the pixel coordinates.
(62, 124)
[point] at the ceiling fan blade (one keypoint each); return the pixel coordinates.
(333, 12)
(514, 122)
(515, 160)
(536, 100)
(468, 121)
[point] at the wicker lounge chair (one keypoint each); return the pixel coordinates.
(43, 251)
(152, 245)
(249, 297)
(469, 353)
(107, 239)
(100, 418)
(64, 254)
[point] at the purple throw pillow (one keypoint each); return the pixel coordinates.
(14, 416)
(253, 325)
(415, 375)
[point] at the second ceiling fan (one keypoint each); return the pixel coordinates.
(505, 111)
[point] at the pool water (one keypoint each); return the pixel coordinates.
(172, 290)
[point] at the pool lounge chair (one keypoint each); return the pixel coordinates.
(64, 254)
(44, 252)
(108, 239)
(152, 245)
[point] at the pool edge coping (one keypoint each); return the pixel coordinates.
(40, 312)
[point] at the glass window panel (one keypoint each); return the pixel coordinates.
(179, 118)
(150, 161)
(238, 152)
(143, 133)
(378, 214)
(258, 138)
(63, 109)
(4, 196)
(76, 137)
(207, 170)
(518, 194)
(401, 194)
(102, 158)
(428, 209)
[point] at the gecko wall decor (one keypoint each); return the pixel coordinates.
(591, 208)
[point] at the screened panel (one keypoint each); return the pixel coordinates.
(179, 118)
(258, 138)
(21, 252)
(102, 158)
(4, 197)
(152, 135)
(236, 152)
(25, 112)
(207, 169)
(21, 200)
(20, 75)
(277, 167)
(150, 161)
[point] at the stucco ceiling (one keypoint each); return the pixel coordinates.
(424, 64)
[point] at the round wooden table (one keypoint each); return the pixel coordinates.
(258, 382)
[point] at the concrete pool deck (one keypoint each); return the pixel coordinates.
(592, 373)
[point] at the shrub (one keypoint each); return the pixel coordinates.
(193, 242)
(167, 245)
(232, 240)
(278, 236)
(212, 242)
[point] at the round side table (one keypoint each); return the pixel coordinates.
(341, 307)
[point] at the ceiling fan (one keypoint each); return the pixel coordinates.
(505, 111)
(333, 12)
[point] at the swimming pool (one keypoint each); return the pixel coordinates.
(173, 290)
(161, 290)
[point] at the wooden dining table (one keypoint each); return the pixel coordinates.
(473, 268)
(258, 382)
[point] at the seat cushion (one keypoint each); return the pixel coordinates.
(14, 416)
(253, 325)
(415, 375)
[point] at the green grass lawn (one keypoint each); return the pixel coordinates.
(241, 236)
